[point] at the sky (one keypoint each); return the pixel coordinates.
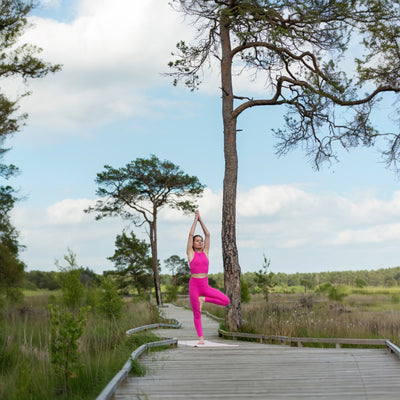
(111, 104)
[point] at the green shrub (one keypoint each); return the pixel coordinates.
(172, 293)
(15, 295)
(110, 302)
(360, 283)
(244, 291)
(337, 293)
(72, 289)
(93, 297)
(324, 287)
(66, 329)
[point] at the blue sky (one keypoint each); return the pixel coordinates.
(110, 105)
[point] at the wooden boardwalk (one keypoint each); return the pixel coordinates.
(260, 371)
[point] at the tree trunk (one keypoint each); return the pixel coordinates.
(153, 244)
(229, 248)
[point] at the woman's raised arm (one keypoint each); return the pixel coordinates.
(189, 249)
(206, 235)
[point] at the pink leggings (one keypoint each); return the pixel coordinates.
(199, 287)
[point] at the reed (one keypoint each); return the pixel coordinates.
(26, 371)
(316, 316)
(368, 313)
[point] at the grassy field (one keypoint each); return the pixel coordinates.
(371, 312)
(26, 371)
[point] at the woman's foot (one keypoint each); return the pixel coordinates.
(201, 341)
(202, 300)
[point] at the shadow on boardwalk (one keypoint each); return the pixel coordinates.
(259, 371)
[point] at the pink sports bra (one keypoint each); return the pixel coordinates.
(199, 264)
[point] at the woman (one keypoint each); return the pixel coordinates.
(199, 291)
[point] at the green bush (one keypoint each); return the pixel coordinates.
(172, 293)
(15, 295)
(66, 329)
(324, 287)
(337, 293)
(360, 283)
(93, 297)
(110, 302)
(244, 291)
(72, 289)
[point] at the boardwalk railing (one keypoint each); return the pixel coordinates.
(108, 392)
(392, 348)
(175, 325)
(112, 386)
(299, 341)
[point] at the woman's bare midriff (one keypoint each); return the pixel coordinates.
(199, 275)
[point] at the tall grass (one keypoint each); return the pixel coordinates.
(315, 316)
(364, 313)
(25, 367)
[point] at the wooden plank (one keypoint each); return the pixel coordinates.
(259, 371)
(266, 373)
(108, 392)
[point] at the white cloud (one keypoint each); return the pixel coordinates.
(372, 210)
(272, 200)
(116, 37)
(287, 217)
(68, 211)
(48, 233)
(112, 53)
(376, 234)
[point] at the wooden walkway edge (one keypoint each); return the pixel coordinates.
(260, 371)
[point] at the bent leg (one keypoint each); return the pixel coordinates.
(215, 296)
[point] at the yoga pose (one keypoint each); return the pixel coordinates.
(199, 290)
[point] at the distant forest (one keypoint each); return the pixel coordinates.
(386, 277)
(381, 277)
